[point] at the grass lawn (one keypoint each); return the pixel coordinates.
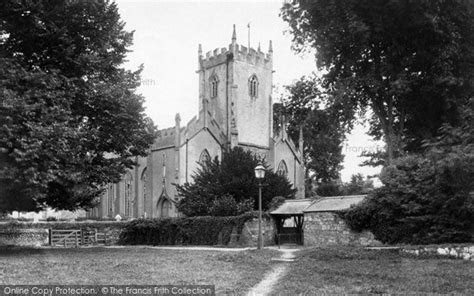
(234, 272)
(352, 271)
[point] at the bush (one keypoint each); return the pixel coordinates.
(424, 200)
(206, 230)
(228, 206)
(234, 176)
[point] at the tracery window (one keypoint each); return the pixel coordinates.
(214, 82)
(253, 86)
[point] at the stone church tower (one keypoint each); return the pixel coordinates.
(235, 85)
(235, 109)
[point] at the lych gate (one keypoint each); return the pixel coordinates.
(289, 221)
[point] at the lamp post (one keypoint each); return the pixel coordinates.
(260, 174)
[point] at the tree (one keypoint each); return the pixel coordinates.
(429, 197)
(322, 132)
(233, 176)
(410, 62)
(356, 186)
(70, 119)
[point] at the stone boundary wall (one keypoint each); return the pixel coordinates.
(460, 252)
(249, 235)
(37, 234)
(24, 237)
(322, 229)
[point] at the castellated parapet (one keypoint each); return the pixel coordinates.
(240, 53)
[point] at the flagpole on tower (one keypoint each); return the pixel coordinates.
(248, 26)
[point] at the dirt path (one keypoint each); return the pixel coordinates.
(266, 285)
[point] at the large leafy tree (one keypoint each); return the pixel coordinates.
(410, 61)
(426, 198)
(232, 177)
(70, 119)
(323, 133)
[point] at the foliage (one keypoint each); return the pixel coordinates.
(423, 201)
(410, 62)
(426, 198)
(70, 120)
(203, 230)
(233, 176)
(357, 186)
(227, 206)
(275, 203)
(329, 189)
(323, 134)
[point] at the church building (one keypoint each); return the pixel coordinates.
(235, 109)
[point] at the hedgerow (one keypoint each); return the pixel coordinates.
(203, 230)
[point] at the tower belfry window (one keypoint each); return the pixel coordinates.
(253, 86)
(214, 82)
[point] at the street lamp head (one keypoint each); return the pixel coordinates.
(259, 171)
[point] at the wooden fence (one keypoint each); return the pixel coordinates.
(76, 237)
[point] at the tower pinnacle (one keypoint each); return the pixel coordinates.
(234, 36)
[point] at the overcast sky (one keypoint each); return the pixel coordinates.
(166, 40)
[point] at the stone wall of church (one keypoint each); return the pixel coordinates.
(252, 114)
(164, 164)
(282, 152)
(217, 106)
(191, 151)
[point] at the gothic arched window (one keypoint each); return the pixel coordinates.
(204, 157)
(143, 181)
(214, 82)
(129, 197)
(282, 169)
(253, 86)
(111, 197)
(165, 209)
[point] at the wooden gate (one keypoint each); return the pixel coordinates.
(76, 237)
(290, 235)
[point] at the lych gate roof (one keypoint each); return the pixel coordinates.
(325, 204)
(292, 207)
(334, 203)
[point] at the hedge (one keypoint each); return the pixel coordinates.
(204, 230)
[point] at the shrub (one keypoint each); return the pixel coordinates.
(205, 230)
(234, 176)
(223, 206)
(228, 206)
(426, 198)
(423, 201)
